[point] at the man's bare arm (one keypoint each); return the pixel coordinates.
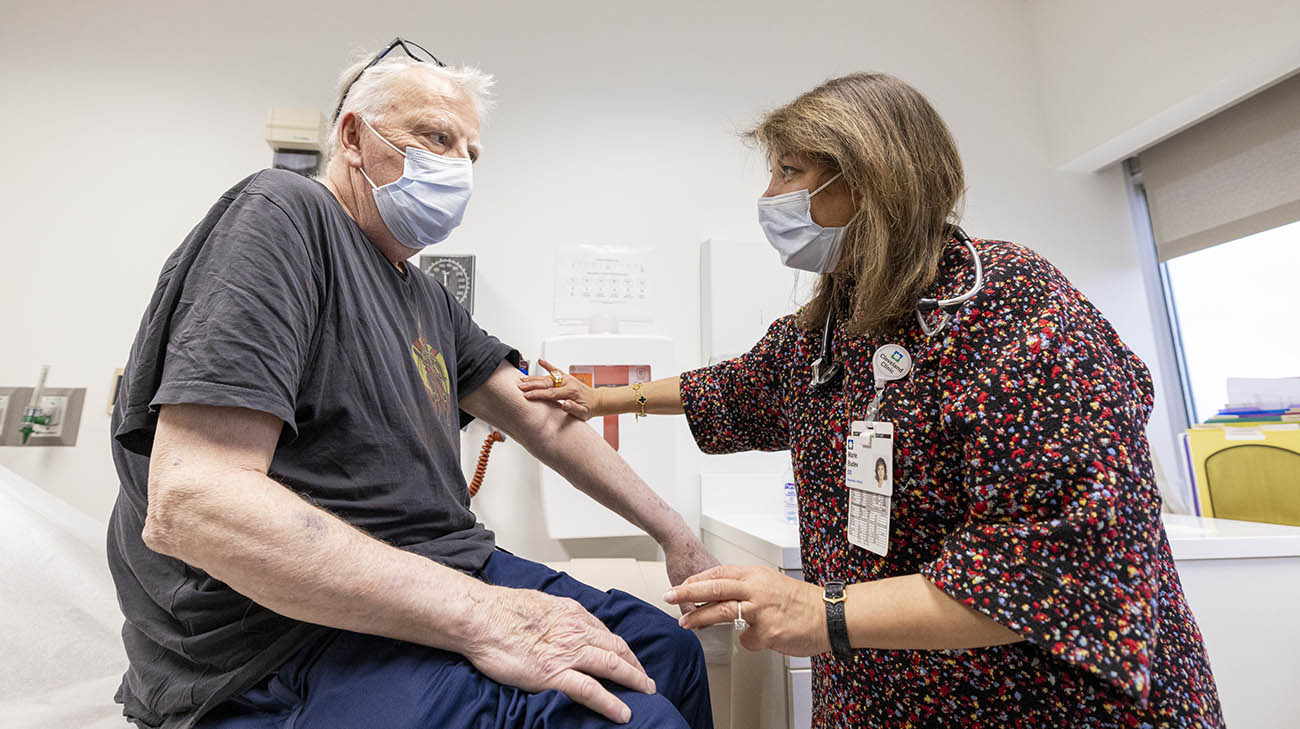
(212, 505)
(581, 456)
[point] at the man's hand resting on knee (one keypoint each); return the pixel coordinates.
(537, 642)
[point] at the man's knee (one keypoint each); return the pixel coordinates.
(685, 647)
(644, 626)
(689, 678)
(671, 655)
(653, 712)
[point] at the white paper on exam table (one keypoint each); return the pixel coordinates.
(59, 620)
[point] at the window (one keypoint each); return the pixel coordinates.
(1238, 312)
(1220, 204)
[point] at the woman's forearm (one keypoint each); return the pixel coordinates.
(789, 615)
(910, 613)
(663, 397)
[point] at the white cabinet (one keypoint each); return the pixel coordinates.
(742, 522)
(799, 694)
(1242, 581)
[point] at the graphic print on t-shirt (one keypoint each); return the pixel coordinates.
(433, 370)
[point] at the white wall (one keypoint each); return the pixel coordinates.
(1118, 76)
(616, 125)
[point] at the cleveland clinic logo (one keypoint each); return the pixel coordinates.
(891, 362)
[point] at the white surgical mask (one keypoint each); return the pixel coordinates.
(428, 201)
(803, 244)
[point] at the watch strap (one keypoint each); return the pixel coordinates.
(836, 624)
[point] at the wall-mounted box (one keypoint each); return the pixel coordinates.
(303, 129)
(63, 403)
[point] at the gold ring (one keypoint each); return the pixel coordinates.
(557, 377)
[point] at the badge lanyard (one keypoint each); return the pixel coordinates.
(869, 456)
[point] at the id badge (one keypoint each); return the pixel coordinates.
(869, 474)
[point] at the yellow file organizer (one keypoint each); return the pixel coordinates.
(1247, 473)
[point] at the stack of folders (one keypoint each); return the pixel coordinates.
(1254, 415)
(1245, 461)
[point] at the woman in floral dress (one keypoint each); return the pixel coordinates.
(1018, 573)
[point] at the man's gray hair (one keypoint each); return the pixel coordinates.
(371, 89)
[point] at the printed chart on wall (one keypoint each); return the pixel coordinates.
(600, 281)
(610, 376)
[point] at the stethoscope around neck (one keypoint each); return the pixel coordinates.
(826, 370)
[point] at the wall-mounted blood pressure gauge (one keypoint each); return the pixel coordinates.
(455, 273)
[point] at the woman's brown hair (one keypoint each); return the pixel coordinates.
(901, 167)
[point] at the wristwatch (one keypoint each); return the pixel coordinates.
(835, 622)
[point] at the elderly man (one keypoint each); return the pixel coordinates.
(292, 543)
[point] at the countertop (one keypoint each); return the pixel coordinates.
(746, 510)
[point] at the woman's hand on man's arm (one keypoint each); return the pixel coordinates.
(572, 394)
(575, 397)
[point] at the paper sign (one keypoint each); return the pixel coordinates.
(593, 281)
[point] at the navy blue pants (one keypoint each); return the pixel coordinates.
(356, 681)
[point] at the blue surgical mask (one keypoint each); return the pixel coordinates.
(803, 244)
(428, 201)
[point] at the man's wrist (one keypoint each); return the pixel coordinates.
(677, 534)
(472, 629)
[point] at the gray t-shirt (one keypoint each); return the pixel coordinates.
(277, 302)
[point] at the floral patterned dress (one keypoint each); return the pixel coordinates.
(1023, 487)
